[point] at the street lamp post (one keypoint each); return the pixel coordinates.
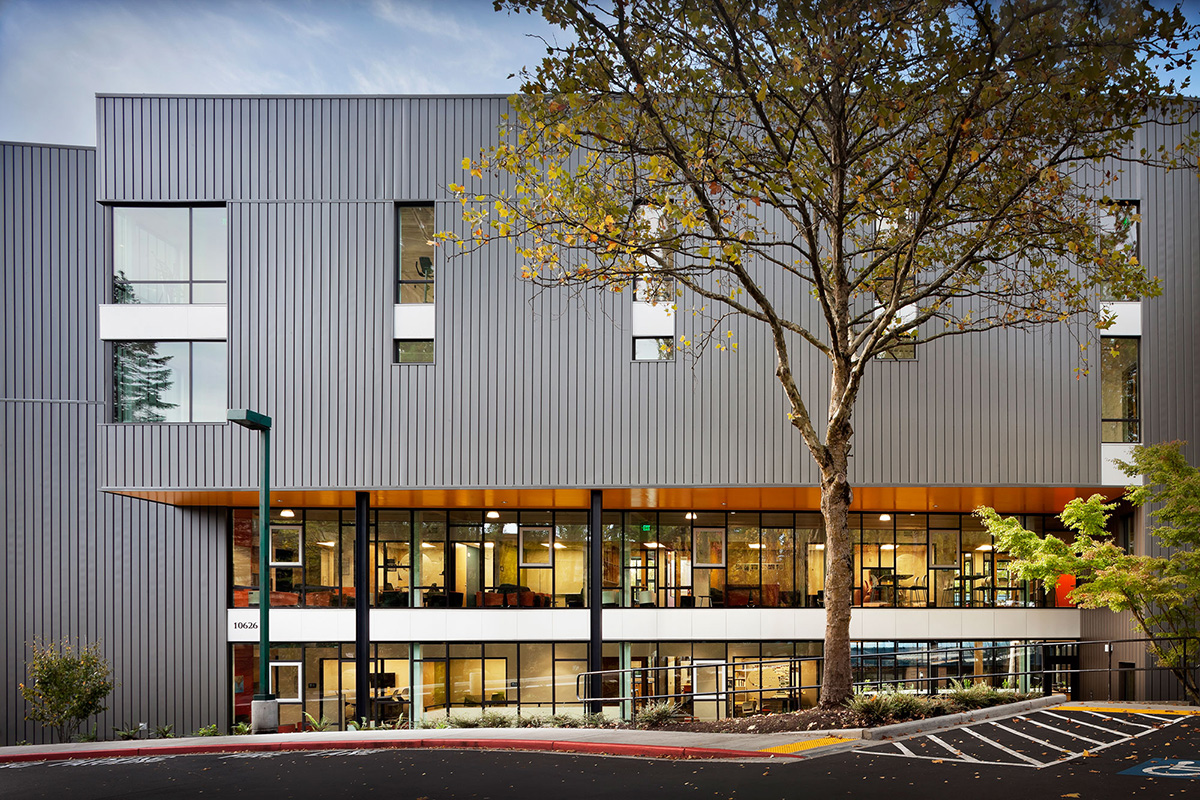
(264, 710)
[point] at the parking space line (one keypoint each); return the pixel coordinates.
(940, 759)
(1115, 733)
(956, 752)
(1008, 750)
(1067, 733)
(1148, 716)
(1115, 719)
(900, 746)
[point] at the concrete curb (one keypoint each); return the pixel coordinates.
(300, 745)
(954, 720)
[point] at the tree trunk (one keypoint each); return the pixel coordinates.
(836, 683)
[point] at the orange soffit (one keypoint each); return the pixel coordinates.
(913, 499)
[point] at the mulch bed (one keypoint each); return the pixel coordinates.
(813, 719)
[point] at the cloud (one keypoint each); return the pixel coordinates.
(55, 55)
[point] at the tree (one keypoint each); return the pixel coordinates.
(854, 175)
(1162, 593)
(66, 686)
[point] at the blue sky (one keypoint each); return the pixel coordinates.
(55, 55)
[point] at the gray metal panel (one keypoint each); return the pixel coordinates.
(509, 401)
(145, 580)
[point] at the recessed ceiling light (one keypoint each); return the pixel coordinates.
(690, 515)
(287, 512)
(653, 545)
(885, 517)
(887, 547)
(493, 514)
(984, 548)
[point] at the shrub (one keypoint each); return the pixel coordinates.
(207, 730)
(531, 722)
(127, 732)
(315, 724)
(655, 714)
(969, 696)
(432, 724)
(240, 729)
(67, 685)
(494, 719)
(164, 731)
(875, 709)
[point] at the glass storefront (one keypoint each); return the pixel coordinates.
(672, 559)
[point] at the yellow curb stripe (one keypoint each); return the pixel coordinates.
(808, 744)
(1131, 710)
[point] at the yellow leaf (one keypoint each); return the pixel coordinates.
(974, 156)
(466, 163)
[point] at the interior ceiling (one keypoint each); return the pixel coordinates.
(946, 499)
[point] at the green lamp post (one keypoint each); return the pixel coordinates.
(264, 710)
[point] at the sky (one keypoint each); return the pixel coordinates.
(56, 55)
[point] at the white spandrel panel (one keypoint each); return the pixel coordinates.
(413, 321)
(127, 323)
(1127, 319)
(653, 319)
(1110, 474)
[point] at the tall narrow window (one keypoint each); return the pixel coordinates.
(1120, 401)
(169, 255)
(414, 275)
(1122, 219)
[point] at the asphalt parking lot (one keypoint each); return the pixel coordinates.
(1150, 756)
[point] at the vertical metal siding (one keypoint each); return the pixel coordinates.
(538, 389)
(147, 581)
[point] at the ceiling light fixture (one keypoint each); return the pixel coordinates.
(885, 517)
(493, 515)
(887, 547)
(818, 547)
(489, 544)
(690, 515)
(984, 548)
(287, 512)
(754, 546)
(327, 544)
(652, 545)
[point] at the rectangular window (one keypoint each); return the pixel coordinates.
(165, 254)
(169, 381)
(1122, 219)
(414, 351)
(415, 255)
(537, 547)
(653, 348)
(651, 288)
(1120, 401)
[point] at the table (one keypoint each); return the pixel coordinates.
(890, 580)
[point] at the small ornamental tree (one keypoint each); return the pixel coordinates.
(67, 685)
(1162, 593)
(855, 178)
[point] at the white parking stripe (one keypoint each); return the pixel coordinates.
(1032, 738)
(1081, 722)
(958, 753)
(904, 749)
(939, 759)
(1011, 752)
(1065, 733)
(1149, 716)
(1118, 719)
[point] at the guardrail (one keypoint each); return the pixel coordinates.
(1045, 666)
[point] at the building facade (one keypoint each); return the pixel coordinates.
(537, 482)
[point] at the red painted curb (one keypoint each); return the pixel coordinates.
(597, 748)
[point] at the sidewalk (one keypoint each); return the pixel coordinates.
(599, 741)
(606, 741)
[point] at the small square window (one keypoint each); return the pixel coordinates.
(653, 348)
(537, 547)
(414, 351)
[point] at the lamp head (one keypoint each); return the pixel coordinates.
(249, 419)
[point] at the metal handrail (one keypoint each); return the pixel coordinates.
(931, 682)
